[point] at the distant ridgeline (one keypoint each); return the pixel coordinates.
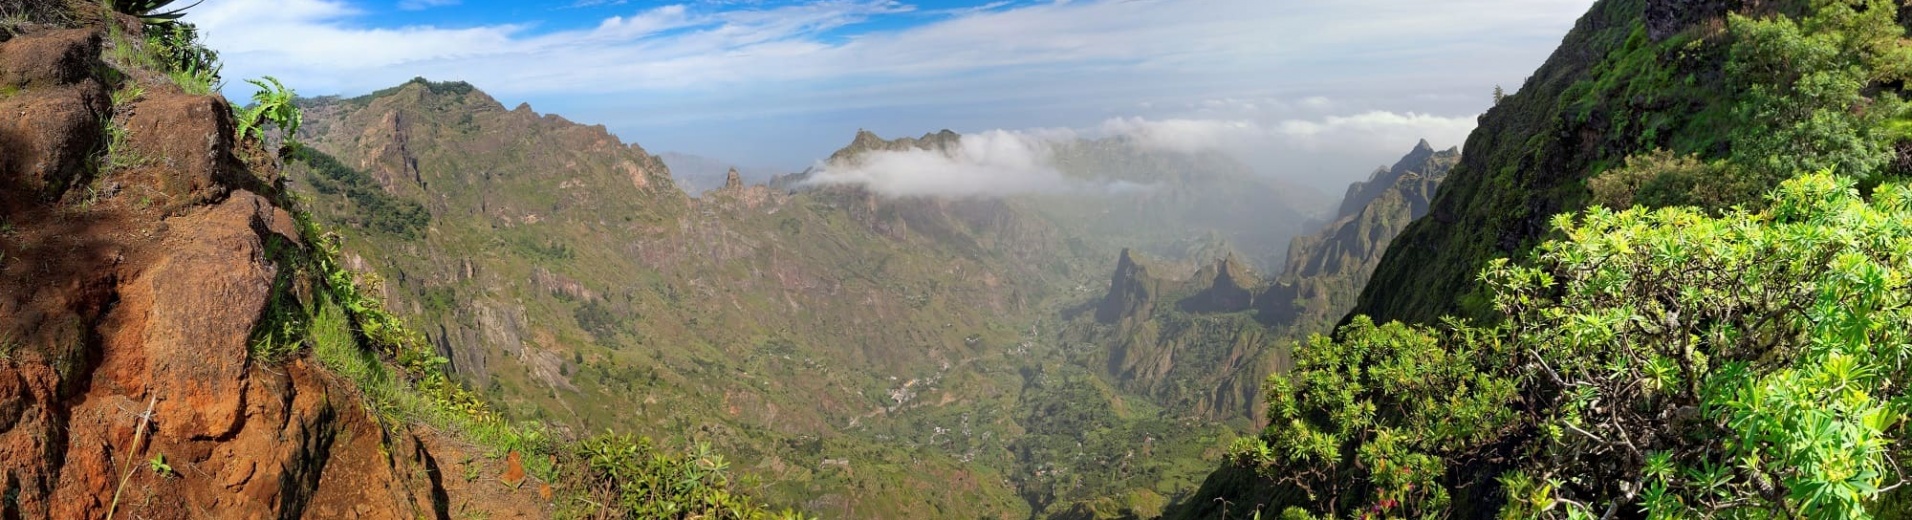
(1676, 266)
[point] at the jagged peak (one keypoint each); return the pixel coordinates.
(1417, 161)
(939, 139)
(867, 141)
(733, 181)
(865, 137)
(1420, 154)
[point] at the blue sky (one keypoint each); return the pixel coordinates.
(1312, 90)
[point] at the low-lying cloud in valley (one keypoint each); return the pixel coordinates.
(1325, 153)
(993, 163)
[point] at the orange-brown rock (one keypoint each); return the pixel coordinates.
(109, 302)
(181, 144)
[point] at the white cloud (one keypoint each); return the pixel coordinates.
(986, 164)
(1377, 130)
(1186, 135)
(323, 42)
(1001, 162)
(1377, 127)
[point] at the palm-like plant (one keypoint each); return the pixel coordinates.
(153, 12)
(272, 104)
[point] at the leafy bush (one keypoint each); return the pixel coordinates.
(1661, 179)
(1368, 423)
(1663, 362)
(597, 319)
(152, 12)
(1807, 98)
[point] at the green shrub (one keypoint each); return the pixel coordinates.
(1807, 96)
(1664, 362)
(1660, 179)
(186, 60)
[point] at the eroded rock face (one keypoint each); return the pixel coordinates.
(182, 146)
(127, 312)
(207, 291)
(1131, 292)
(50, 110)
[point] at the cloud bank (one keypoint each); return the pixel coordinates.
(987, 164)
(1005, 163)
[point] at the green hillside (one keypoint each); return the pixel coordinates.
(1646, 318)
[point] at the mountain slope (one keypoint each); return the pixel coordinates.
(1200, 338)
(560, 270)
(1633, 75)
(1656, 125)
(860, 351)
(145, 256)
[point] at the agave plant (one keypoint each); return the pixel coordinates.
(153, 12)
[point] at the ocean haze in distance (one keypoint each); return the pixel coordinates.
(1317, 93)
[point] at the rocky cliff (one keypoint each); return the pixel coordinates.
(1327, 270)
(143, 251)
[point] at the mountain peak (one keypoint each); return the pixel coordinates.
(424, 88)
(733, 180)
(1423, 147)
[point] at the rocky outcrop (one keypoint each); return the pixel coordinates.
(1231, 288)
(1132, 292)
(130, 295)
(1325, 271)
(52, 125)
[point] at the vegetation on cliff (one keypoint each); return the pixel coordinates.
(1718, 344)
(1662, 361)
